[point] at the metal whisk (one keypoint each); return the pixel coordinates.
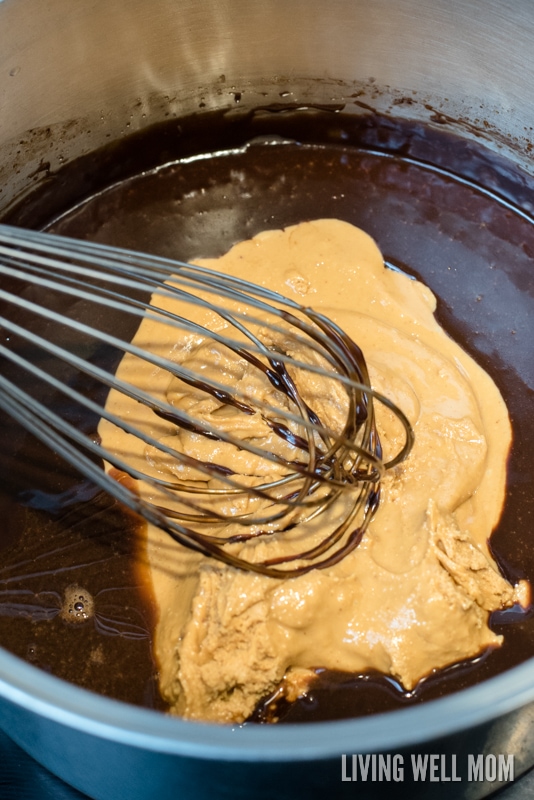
(254, 423)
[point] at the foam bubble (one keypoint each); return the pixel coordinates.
(78, 604)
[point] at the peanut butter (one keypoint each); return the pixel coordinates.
(415, 596)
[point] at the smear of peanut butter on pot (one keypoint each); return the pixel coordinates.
(416, 595)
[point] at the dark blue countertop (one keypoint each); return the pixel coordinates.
(22, 778)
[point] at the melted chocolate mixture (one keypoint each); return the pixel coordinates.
(440, 207)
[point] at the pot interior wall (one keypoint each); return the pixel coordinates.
(76, 76)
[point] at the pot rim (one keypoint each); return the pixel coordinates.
(36, 691)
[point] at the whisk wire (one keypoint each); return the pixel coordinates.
(319, 319)
(316, 464)
(178, 416)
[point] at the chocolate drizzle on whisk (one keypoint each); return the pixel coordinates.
(278, 468)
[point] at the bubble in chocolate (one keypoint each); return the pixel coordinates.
(31, 652)
(78, 604)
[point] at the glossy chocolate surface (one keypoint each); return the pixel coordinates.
(440, 207)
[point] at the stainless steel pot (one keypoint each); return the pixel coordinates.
(74, 76)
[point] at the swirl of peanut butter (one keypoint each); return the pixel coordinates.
(416, 595)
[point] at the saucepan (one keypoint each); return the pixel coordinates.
(76, 77)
